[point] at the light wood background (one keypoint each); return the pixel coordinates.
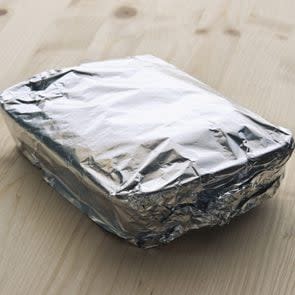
(245, 49)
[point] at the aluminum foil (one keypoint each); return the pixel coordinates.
(147, 151)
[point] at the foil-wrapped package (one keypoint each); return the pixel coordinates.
(147, 151)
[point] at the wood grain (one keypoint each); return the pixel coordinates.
(245, 49)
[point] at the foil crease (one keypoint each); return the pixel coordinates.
(145, 150)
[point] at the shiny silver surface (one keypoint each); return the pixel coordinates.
(147, 151)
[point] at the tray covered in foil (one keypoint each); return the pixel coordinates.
(147, 151)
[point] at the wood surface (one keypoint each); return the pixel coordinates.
(245, 49)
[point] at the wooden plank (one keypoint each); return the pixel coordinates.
(245, 49)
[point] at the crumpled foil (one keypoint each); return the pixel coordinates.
(147, 151)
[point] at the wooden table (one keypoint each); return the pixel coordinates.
(245, 49)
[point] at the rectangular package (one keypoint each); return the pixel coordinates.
(147, 151)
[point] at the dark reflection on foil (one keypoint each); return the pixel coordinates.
(147, 151)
